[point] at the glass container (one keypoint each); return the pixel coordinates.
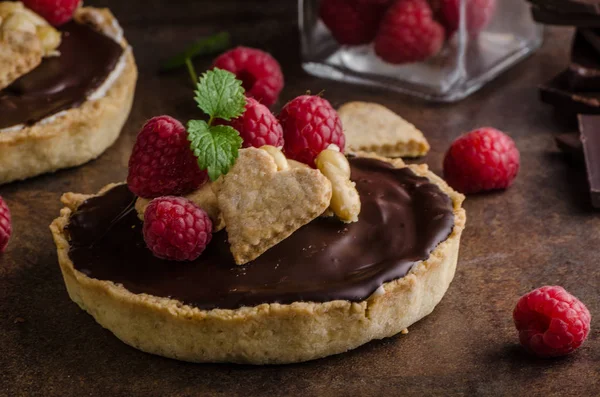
(485, 38)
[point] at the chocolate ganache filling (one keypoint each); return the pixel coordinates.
(403, 218)
(86, 59)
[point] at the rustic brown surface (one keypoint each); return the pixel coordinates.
(541, 231)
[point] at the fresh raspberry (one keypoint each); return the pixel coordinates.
(483, 159)
(260, 73)
(478, 15)
(352, 22)
(551, 322)
(162, 162)
(373, 2)
(310, 124)
(258, 126)
(5, 225)
(176, 229)
(408, 33)
(56, 12)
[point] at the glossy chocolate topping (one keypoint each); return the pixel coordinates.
(59, 83)
(403, 218)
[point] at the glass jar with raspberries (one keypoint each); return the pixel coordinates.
(437, 49)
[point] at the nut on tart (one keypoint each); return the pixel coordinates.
(271, 310)
(79, 122)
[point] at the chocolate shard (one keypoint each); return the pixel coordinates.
(592, 36)
(551, 16)
(557, 92)
(589, 127)
(569, 6)
(570, 144)
(584, 70)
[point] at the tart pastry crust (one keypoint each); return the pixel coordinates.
(77, 135)
(267, 333)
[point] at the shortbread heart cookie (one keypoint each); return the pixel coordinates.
(262, 206)
(371, 127)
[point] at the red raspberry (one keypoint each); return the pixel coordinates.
(352, 22)
(483, 159)
(551, 322)
(408, 33)
(374, 2)
(176, 229)
(162, 162)
(478, 15)
(56, 12)
(258, 126)
(5, 225)
(260, 73)
(310, 124)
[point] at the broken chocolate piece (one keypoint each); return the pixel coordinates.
(584, 71)
(550, 16)
(589, 127)
(592, 36)
(570, 144)
(569, 6)
(557, 92)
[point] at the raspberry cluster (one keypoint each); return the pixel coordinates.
(403, 31)
(162, 166)
(305, 126)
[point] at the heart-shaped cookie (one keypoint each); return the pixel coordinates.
(262, 206)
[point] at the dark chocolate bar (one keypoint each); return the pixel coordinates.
(551, 16)
(569, 6)
(557, 92)
(589, 127)
(584, 70)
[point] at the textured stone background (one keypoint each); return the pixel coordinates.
(541, 231)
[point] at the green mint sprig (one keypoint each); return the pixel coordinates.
(206, 46)
(221, 96)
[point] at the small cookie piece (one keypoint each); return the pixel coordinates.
(202, 197)
(263, 206)
(371, 127)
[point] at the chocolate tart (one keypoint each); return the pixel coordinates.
(327, 288)
(70, 108)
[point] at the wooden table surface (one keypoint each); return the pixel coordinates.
(541, 231)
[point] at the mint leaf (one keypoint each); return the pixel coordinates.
(220, 95)
(206, 46)
(216, 147)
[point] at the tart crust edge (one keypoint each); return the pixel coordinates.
(268, 333)
(75, 136)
